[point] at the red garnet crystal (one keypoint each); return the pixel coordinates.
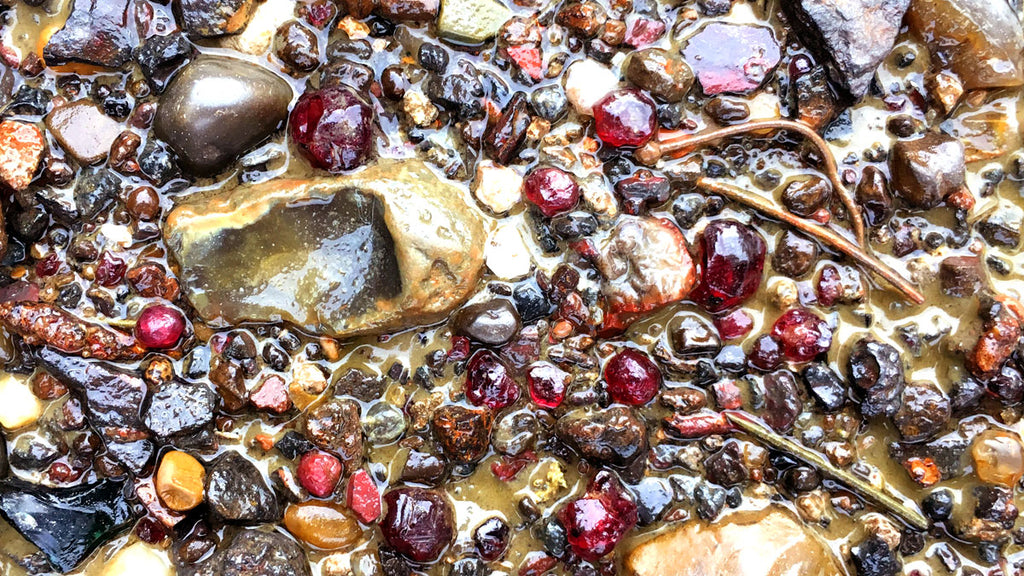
(625, 118)
(547, 384)
(160, 327)
(333, 128)
(802, 335)
(598, 520)
(489, 383)
(319, 473)
(632, 378)
(552, 190)
(731, 265)
(419, 523)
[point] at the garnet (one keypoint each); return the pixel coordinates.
(625, 118)
(731, 265)
(489, 383)
(547, 384)
(419, 523)
(491, 538)
(110, 270)
(552, 190)
(363, 497)
(765, 353)
(632, 378)
(319, 473)
(802, 335)
(733, 325)
(333, 127)
(598, 520)
(160, 327)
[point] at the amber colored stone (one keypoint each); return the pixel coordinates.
(179, 481)
(323, 525)
(998, 457)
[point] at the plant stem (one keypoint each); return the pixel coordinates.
(874, 495)
(676, 147)
(823, 234)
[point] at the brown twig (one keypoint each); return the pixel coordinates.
(677, 146)
(874, 495)
(823, 234)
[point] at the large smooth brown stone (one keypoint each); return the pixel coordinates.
(768, 542)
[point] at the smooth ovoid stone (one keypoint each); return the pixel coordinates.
(494, 322)
(851, 36)
(97, 32)
(471, 21)
(386, 248)
(979, 40)
(83, 131)
(767, 542)
(237, 492)
(732, 57)
(256, 553)
(66, 524)
(209, 18)
(218, 108)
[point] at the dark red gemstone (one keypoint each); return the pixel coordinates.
(319, 472)
(802, 335)
(598, 520)
(491, 538)
(110, 270)
(830, 286)
(625, 117)
(735, 324)
(419, 523)
(552, 190)
(333, 128)
(489, 383)
(48, 266)
(160, 327)
(730, 266)
(765, 354)
(632, 378)
(151, 531)
(547, 384)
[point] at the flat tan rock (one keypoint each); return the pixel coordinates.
(83, 131)
(769, 542)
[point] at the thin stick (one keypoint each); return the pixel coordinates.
(823, 234)
(862, 487)
(677, 146)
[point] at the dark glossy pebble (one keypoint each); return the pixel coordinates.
(297, 46)
(795, 254)
(209, 133)
(491, 538)
(394, 82)
(531, 302)
(460, 92)
(661, 73)
(874, 197)
(237, 492)
(161, 57)
(464, 434)
(782, 403)
(419, 523)
(549, 102)
(344, 72)
(825, 386)
(924, 411)
(924, 171)
(692, 335)
(805, 197)
(96, 32)
(423, 468)
(615, 436)
(257, 553)
(493, 323)
(961, 276)
(433, 57)
(874, 558)
(178, 408)
(802, 479)
(726, 111)
(725, 467)
(938, 505)
(292, 445)
(765, 353)
(505, 136)
(876, 369)
(574, 225)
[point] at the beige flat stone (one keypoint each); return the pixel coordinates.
(83, 131)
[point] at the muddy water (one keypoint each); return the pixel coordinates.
(948, 325)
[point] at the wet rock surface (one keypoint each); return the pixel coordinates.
(66, 524)
(178, 408)
(463, 433)
(97, 32)
(732, 57)
(493, 323)
(334, 426)
(218, 108)
(419, 523)
(257, 553)
(415, 273)
(83, 131)
(616, 436)
(927, 169)
(211, 18)
(237, 492)
(853, 36)
(876, 368)
(753, 543)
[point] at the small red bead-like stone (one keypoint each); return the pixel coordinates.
(731, 265)
(552, 190)
(625, 118)
(160, 327)
(765, 354)
(110, 270)
(319, 473)
(547, 384)
(363, 497)
(802, 335)
(632, 378)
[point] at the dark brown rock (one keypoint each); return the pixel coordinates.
(874, 197)
(615, 436)
(409, 10)
(692, 335)
(961, 276)
(334, 426)
(876, 369)
(782, 402)
(852, 36)
(927, 169)
(97, 32)
(816, 103)
(924, 410)
(805, 197)
(661, 73)
(237, 492)
(463, 433)
(297, 46)
(503, 138)
(423, 468)
(493, 323)
(795, 254)
(210, 18)
(257, 553)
